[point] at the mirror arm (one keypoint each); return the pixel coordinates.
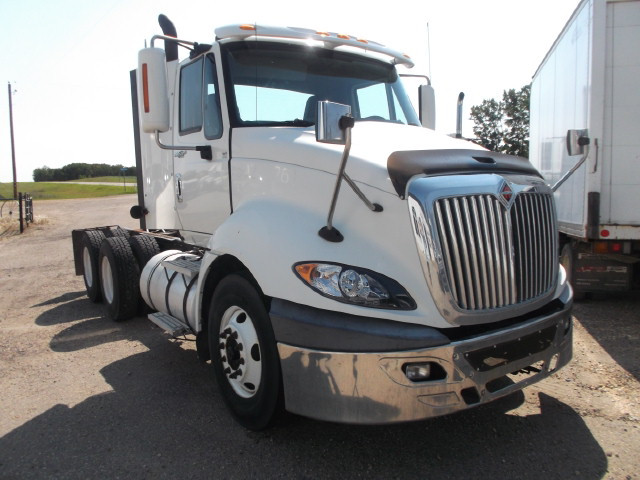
(374, 207)
(575, 167)
(205, 150)
(329, 232)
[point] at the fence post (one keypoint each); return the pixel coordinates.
(20, 209)
(28, 208)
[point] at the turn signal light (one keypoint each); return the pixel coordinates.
(608, 247)
(354, 285)
(600, 247)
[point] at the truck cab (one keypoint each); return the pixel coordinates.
(333, 256)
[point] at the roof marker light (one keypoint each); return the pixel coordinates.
(362, 40)
(247, 27)
(323, 34)
(343, 36)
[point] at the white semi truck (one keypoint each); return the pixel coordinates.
(587, 83)
(332, 256)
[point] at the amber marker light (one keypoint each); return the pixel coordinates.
(323, 34)
(601, 247)
(344, 37)
(247, 27)
(145, 88)
(305, 271)
(362, 40)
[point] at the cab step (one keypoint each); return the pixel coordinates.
(172, 325)
(188, 268)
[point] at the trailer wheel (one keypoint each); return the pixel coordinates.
(567, 261)
(244, 353)
(119, 275)
(91, 242)
(143, 248)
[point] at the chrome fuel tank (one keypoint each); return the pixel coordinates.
(168, 284)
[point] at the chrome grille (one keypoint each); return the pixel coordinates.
(496, 256)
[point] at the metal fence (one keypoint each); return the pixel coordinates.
(24, 206)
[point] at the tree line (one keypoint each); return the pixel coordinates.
(78, 171)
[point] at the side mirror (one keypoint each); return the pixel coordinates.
(577, 140)
(152, 90)
(328, 122)
(427, 100)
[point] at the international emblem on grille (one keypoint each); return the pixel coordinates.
(506, 195)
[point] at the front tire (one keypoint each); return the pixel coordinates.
(567, 259)
(244, 353)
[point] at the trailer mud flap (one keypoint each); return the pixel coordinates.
(601, 273)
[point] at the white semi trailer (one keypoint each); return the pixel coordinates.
(332, 256)
(587, 83)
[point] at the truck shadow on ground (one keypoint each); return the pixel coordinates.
(619, 335)
(68, 308)
(166, 419)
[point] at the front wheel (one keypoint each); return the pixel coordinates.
(567, 258)
(244, 353)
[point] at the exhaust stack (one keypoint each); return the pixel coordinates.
(168, 29)
(459, 116)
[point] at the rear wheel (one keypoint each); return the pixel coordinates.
(117, 232)
(244, 353)
(119, 278)
(143, 248)
(91, 242)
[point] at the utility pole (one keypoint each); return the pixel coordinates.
(13, 148)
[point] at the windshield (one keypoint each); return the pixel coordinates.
(281, 84)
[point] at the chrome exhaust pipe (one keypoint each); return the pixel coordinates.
(459, 116)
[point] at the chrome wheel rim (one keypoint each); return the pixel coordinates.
(87, 267)
(240, 353)
(107, 280)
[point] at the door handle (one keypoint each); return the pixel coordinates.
(179, 187)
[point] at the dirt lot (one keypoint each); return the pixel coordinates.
(81, 397)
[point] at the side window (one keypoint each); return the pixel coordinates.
(212, 115)
(261, 104)
(399, 112)
(191, 97)
(372, 101)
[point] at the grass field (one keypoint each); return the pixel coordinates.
(114, 179)
(60, 191)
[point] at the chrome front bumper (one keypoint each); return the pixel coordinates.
(372, 388)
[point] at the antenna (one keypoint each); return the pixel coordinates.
(429, 50)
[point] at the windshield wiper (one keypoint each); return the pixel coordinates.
(275, 123)
(297, 123)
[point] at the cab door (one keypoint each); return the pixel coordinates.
(201, 186)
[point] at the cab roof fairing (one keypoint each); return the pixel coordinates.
(329, 40)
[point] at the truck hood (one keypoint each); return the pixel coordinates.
(373, 143)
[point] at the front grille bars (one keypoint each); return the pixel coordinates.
(496, 256)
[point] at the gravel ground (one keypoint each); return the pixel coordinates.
(82, 397)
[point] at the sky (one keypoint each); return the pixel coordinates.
(68, 61)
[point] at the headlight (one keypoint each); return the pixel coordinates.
(354, 285)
